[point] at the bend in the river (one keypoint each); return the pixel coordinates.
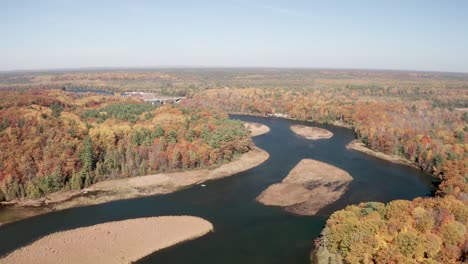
(245, 231)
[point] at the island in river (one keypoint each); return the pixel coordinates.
(309, 186)
(112, 242)
(312, 133)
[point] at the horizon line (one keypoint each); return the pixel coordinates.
(181, 67)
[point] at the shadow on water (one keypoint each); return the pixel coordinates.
(245, 231)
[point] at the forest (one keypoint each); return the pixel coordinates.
(426, 230)
(54, 140)
(70, 141)
(441, 89)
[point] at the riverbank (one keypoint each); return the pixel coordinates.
(113, 242)
(309, 186)
(359, 146)
(120, 189)
(256, 129)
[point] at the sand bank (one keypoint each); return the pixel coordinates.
(312, 133)
(359, 146)
(113, 242)
(256, 129)
(309, 186)
(140, 186)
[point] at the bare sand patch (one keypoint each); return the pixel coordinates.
(359, 146)
(256, 129)
(312, 133)
(465, 109)
(309, 186)
(113, 242)
(133, 187)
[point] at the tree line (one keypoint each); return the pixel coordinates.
(52, 140)
(434, 138)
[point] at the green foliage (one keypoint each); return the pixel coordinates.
(159, 131)
(86, 156)
(409, 244)
(371, 207)
(465, 117)
(76, 183)
(56, 109)
(190, 135)
(89, 179)
(146, 137)
(460, 135)
(4, 125)
(10, 188)
(127, 111)
(50, 183)
(149, 116)
(365, 140)
(172, 137)
(438, 160)
(94, 113)
(32, 190)
(453, 233)
(228, 130)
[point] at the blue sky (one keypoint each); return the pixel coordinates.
(414, 35)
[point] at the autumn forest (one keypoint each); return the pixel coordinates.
(53, 139)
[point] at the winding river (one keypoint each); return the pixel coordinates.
(245, 231)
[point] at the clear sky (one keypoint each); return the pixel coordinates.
(374, 34)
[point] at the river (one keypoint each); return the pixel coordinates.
(245, 231)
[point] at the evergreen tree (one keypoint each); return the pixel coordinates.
(87, 155)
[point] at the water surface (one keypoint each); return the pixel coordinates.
(245, 231)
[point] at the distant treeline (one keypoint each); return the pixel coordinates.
(443, 89)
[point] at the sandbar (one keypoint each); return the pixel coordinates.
(309, 186)
(256, 129)
(312, 133)
(112, 242)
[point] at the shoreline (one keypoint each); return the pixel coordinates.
(336, 123)
(133, 187)
(123, 241)
(354, 145)
(359, 146)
